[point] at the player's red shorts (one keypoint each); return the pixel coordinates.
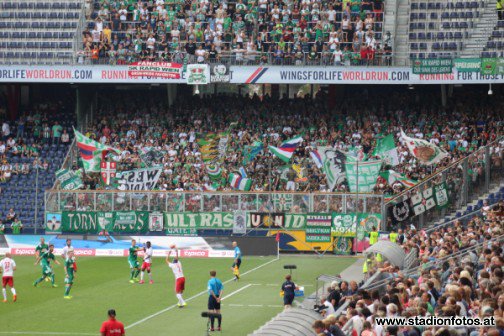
(146, 266)
(180, 284)
(8, 281)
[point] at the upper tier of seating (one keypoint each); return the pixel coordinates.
(439, 28)
(38, 32)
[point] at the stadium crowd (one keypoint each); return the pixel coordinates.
(133, 125)
(339, 32)
(460, 273)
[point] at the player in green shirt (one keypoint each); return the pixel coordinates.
(16, 226)
(70, 269)
(45, 261)
(133, 262)
(41, 248)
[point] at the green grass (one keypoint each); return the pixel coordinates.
(102, 283)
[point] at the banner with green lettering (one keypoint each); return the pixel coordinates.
(468, 64)
(344, 225)
(318, 228)
(201, 220)
(112, 221)
(225, 220)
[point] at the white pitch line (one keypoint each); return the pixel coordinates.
(45, 333)
(193, 297)
(236, 291)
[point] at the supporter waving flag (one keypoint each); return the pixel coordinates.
(91, 152)
(286, 150)
(386, 149)
(424, 151)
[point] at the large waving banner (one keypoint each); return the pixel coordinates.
(112, 221)
(333, 165)
(362, 175)
(139, 179)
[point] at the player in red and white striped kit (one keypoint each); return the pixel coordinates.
(176, 267)
(7, 267)
(147, 263)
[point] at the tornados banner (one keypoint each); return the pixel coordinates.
(155, 69)
(139, 179)
(112, 221)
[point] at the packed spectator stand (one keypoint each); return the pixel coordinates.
(126, 123)
(459, 273)
(242, 32)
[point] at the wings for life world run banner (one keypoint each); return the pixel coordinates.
(163, 73)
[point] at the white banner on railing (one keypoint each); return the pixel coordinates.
(244, 75)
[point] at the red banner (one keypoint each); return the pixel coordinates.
(155, 69)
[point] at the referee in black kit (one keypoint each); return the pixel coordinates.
(288, 288)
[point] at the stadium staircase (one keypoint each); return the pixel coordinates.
(495, 195)
(444, 28)
(40, 32)
(482, 33)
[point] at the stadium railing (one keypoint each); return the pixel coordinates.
(465, 178)
(203, 201)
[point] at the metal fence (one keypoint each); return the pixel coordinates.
(465, 179)
(61, 200)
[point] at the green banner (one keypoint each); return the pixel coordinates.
(344, 225)
(441, 195)
(468, 64)
(112, 221)
(203, 220)
(223, 220)
(343, 245)
(432, 66)
(499, 69)
(362, 175)
(488, 66)
(366, 222)
(318, 228)
(79, 222)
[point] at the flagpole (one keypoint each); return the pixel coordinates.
(36, 196)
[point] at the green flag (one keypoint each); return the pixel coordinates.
(386, 150)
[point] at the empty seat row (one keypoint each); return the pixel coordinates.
(495, 45)
(444, 15)
(38, 25)
(438, 36)
(47, 55)
(39, 15)
(40, 5)
(435, 46)
(37, 35)
(444, 25)
(449, 5)
(431, 55)
(47, 45)
(497, 33)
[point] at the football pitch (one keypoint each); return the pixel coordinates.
(102, 283)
